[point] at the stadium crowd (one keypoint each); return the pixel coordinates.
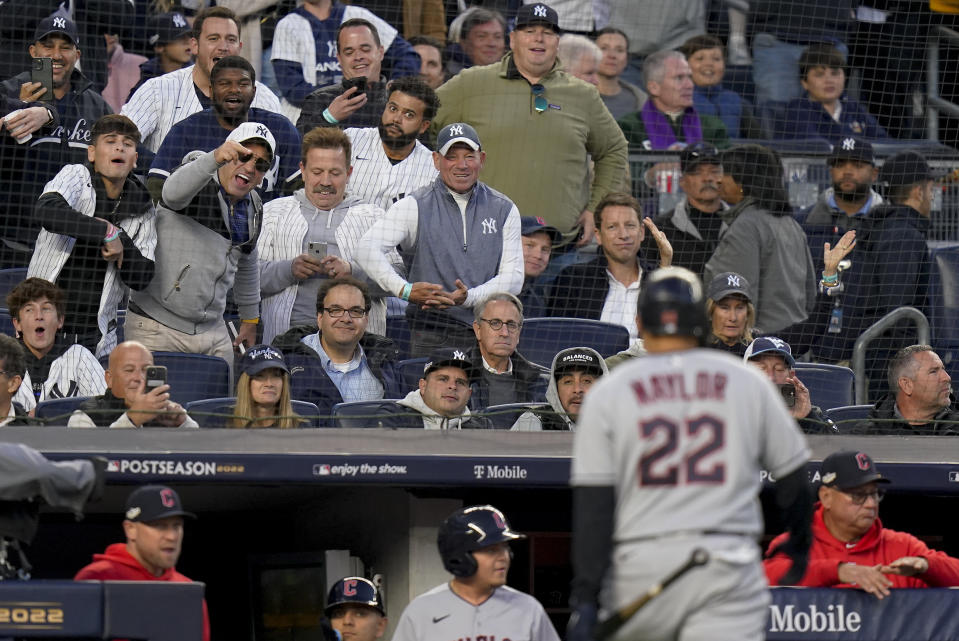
(394, 207)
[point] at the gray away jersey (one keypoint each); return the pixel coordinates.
(682, 437)
(508, 615)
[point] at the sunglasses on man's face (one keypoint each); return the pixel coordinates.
(261, 164)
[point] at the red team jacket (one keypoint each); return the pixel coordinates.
(877, 546)
(116, 564)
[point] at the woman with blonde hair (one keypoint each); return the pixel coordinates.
(731, 313)
(263, 391)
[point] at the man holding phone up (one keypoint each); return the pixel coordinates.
(774, 357)
(137, 394)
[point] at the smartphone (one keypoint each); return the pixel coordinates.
(156, 376)
(788, 391)
(318, 250)
(231, 327)
(359, 82)
(42, 72)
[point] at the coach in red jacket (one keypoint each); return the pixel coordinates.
(153, 524)
(850, 546)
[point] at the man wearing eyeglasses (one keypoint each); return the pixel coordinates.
(208, 221)
(504, 375)
(850, 546)
(337, 360)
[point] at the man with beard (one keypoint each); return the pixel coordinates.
(388, 161)
(233, 83)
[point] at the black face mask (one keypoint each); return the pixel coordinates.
(861, 192)
(395, 142)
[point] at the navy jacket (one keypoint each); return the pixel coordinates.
(580, 290)
(807, 119)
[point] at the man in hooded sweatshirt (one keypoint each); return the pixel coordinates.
(153, 525)
(573, 372)
(440, 401)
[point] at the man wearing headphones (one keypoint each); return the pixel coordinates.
(474, 545)
(355, 609)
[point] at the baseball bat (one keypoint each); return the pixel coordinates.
(607, 628)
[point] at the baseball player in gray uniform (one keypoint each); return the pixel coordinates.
(477, 604)
(667, 459)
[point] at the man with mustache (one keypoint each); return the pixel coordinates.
(233, 82)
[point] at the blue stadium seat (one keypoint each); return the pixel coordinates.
(59, 407)
(503, 416)
(193, 377)
(398, 330)
(944, 296)
(829, 385)
(847, 416)
(6, 325)
(409, 373)
(359, 413)
(542, 338)
(223, 407)
(10, 278)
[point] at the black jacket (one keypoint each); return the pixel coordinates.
(580, 290)
(396, 416)
(883, 420)
(526, 378)
(369, 115)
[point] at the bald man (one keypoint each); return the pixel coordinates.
(126, 403)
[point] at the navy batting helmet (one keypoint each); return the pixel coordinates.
(671, 303)
(354, 589)
(468, 529)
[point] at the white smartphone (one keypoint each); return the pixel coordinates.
(231, 327)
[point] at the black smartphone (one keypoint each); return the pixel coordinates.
(155, 377)
(359, 82)
(788, 390)
(42, 71)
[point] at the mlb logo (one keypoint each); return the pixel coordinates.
(113, 466)
(322, 470)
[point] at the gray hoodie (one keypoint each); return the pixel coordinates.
(431, 419)
(531, 422)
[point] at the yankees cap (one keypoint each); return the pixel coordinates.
(261, 357)
(152, 503)
(60, 24)
(852, 149)
(167, 27)
(454, 133)
(770, 345)
(581, 358)
(728, 284)
(254, 131)
(847, 469)
(449, 357)
(537, 13)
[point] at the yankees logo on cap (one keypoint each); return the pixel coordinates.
(537, 13)
(449, 357)
(254, 131)
(261, 357)
(771, 345)
(728, 284)
(457, 132)
(167, 27)
(57, 24)
(851, 148)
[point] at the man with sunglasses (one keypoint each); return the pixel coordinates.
(208, 221)
(851, 547)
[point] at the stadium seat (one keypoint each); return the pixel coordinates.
(398, 330)
(829, 385)
(359, 413)
(503, 416)
(59, 407)
(223, 407)
(409, 373)
(193, 377)
(847, 416)
(10, 278)
(542, 338)
(944, 297)
(6, 324)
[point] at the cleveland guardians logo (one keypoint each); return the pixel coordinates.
(863, 461)
(167, 498)
(349, 587)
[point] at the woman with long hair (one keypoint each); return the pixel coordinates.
(263, 391)
(731, 313)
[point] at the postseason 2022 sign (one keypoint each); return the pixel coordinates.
(838, 614)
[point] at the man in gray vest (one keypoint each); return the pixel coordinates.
(460, 240)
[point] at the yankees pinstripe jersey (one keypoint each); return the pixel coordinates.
(378, 181)
(75, 184)
(166, 100)
(303, 39)
(76, 372)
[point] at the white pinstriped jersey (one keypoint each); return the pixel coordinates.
(75, 184)
(375, 179)
(76, 372)
(441, 615)
(682, 437)
(295, 41)
(163, 101)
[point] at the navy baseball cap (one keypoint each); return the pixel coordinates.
(533, 224)
(770, 345)
(261, 357)
(702, 153)
(57, 24)
(847, 469)
(167, 27)
(905, 168)
(577, 358)
(728, 284)
(152, 503)
(449, 357)
(354, 590)
(537, 13)
(852, 149)
(454, 133)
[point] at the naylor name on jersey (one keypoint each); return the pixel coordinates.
(672, 387)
